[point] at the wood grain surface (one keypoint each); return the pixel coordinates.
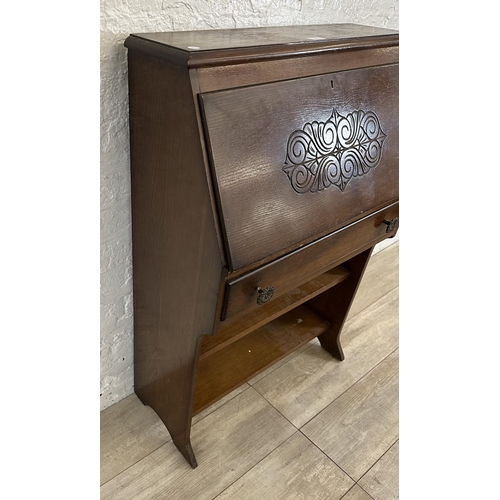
(231, 331)
(216, 212)
(176, 258)
(256, 72)
(223, 370)
(308, 262)
(262, 213)
(271, 36)
(229, 46)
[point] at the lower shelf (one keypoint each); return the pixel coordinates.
(230, 367)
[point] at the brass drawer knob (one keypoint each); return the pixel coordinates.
(392, 225)
(265, 294)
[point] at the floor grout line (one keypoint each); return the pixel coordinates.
(354, 383)
(257, 463)
(269, 402)
(329, 458)
(350, 387)
(297, 429)
(135, 463)
(249, 387)
(170, 440)
(359, 486)
(364, 490)
(378, 459)
(341, 468)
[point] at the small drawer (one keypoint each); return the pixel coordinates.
(272, 280)
(298, 159)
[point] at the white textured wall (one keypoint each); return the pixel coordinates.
(118, 19)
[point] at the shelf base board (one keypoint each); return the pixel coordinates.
(228, 368)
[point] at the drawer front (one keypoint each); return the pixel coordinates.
(297, 159)
(291, 271)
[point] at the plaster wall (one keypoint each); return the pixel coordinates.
(119, 18)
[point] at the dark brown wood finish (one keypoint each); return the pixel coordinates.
(176, 257)
(216, 214)
(335, 303)
(231, 331)
(228, 368)
(249, 131)
(257, 72)
(221, 47)
(270, 39)
(287, 272)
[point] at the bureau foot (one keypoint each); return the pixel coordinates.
(171, 393)
(331, 343)
(184, 446)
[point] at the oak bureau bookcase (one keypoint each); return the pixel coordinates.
(264, 166)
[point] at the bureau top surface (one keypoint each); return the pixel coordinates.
(267, 41)
(194, 41)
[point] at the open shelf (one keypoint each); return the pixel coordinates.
(228, 368)
(236, 329)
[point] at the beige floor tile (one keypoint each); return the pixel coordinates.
(227, 443)
(296, 470)
(356, 493)
(129, 432)
(310, 381)
(382, 480)
(362, 424)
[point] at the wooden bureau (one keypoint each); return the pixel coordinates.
(264, 166)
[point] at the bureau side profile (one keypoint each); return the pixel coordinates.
(264, 169)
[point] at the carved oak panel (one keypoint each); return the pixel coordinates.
(333, 152)
(295, 160)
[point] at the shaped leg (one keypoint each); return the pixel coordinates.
(336, 302)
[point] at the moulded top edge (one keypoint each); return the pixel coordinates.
(197, 48)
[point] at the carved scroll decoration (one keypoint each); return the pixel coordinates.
(333, 152)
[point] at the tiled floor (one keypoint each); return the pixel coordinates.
(310, 427)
